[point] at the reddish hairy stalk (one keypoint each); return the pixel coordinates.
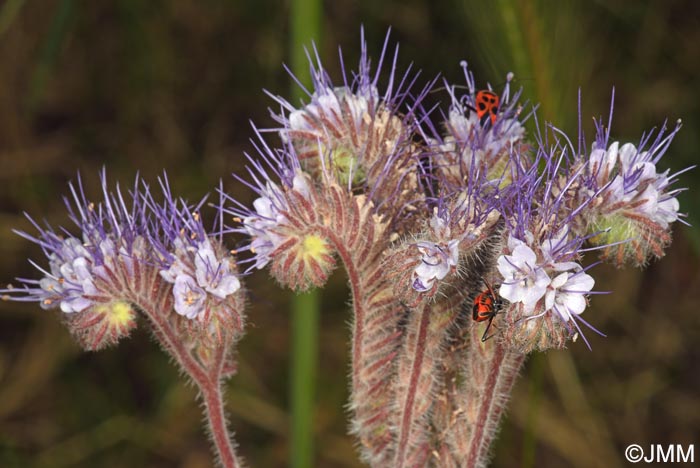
(207, 378)
(358, 237)
(504, 368)
(415, 350)
(214, 407)
(357, 293)
(422, 353)
(445, 413)
(490, 372)
(374, 341)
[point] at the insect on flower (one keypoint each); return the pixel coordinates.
(486, 305)
(487, 103)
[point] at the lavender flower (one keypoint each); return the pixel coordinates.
(211, 274)
(190, 299)
(436, 263)
(203, 273)
(438, 258)
(566, 294)
(563, 294)
(265, 225)
(524, 281)
(455, 233)
(70, 281)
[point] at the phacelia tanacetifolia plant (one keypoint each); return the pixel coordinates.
(446, 222)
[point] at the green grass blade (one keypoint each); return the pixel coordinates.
(305, 27)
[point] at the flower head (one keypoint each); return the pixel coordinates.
(355, 134)
(82, 269)
(627, 179)
(460, 226)
(474, 144)
(203, 274)
(269, 224)
(129, 252)
(632, 202)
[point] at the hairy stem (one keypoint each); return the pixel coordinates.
(489, 393)
(207, 379)
(421, 355)
(407, 423)
(356, 291)
(355, 236)
(214, 411)
(374, 341)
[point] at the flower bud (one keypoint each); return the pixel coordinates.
(303, 262)
(102, 324)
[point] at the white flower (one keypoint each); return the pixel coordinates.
(72, 277)
(630, 158)
(507, 133)
(437, 261)
(213, 274)
(189, 298)
(602, 162)
(176, 269)
(358, 106)
(566, 294)
(666, 211)
(636, 181)
(480, 140)
(524, 280)
(329, 105)
(260, 227)
(555, 247)
(462, 127)
(439, 225)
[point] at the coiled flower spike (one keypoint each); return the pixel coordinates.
(135, 256)
(129, 252)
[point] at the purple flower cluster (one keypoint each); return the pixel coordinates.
(626, 178)
(632, 203)
(210, 275)
(553, 200)
(471, 144)
(204, 275)
(79, 268)
(124, 241)
(265, 223)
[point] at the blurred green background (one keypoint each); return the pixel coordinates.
(146, 85)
